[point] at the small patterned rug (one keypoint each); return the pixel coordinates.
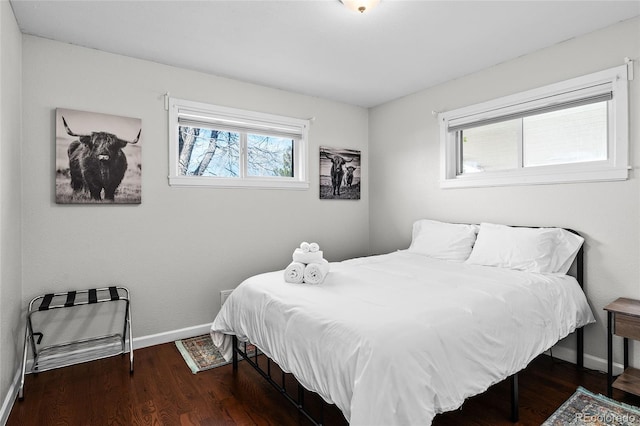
(586, 408)
(200, 354)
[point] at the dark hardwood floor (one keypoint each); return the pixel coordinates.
(163, 391)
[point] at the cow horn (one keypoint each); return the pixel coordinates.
(137, 137)
(69, 132)
(132, 142)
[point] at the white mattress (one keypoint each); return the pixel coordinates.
(396, 339)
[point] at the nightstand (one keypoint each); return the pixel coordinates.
(623, 319)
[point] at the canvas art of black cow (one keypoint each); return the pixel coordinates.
(96, 162)
(337, 171)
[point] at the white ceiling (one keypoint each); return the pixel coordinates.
(319, 47)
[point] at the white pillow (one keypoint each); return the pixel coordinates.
(542, 250)
(568, 247)
(446, 241)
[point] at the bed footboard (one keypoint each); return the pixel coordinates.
(297, 400)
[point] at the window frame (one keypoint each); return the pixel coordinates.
(252, 121)
(616, 167)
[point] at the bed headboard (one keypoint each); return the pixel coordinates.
(578, 262)
(577, 267)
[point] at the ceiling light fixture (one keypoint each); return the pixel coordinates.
(360, 5)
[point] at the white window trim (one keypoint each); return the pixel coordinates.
(615, 168)
(300, 180)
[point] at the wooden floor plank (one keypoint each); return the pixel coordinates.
(164, 392)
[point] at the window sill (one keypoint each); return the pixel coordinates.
(248, 183)
(536, 177)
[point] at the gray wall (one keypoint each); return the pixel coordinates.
(10, 202)
(181, 246)
(404, 152)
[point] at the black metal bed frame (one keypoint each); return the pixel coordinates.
(299, 401)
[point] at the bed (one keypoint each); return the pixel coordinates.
(395, 339)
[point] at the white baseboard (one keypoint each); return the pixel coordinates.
(591, 362)
(170, 336)
(138, 343)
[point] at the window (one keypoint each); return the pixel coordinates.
(573, 131)
(227, 147)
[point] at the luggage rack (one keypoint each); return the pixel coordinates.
(78, 351)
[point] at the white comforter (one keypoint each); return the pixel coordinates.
(396, 339)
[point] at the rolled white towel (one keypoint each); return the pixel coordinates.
(315, 273)
(294, 273)
(314, 247)
(305, 246)
(307, 257)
